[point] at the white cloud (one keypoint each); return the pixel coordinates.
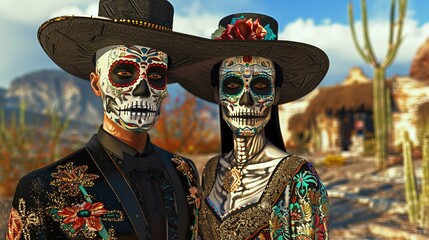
(196, 21)
(31, 12)
(200, 18)
(19, 33)
(21, 52)
(335, 39)
(92, 9)
(203, 25)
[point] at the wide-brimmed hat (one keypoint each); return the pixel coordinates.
(72, 41)
(302, 66)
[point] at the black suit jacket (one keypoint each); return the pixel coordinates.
(86, 196)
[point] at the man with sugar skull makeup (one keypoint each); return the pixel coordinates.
(120, 185)
(255, 189)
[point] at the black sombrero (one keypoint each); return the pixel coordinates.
(71, 41)
(303, 66)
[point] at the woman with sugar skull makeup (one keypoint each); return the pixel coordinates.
(120, 185)
(255, 189)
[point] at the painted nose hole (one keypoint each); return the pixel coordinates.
(141, 90)
(246, 100)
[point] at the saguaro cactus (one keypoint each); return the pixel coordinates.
(411, 195)
(424, 198)
(380, 113)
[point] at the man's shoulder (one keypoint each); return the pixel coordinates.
(43, 174)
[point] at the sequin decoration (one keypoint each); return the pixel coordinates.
(15, 225)
(194, 196)
(68, 179)
(304, 213)
(252, 220)
(85, 217)
(20, 221)
(77, 217)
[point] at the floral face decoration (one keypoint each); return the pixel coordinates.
(246, 93)
(133, 82)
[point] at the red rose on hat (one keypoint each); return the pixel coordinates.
(244, 29)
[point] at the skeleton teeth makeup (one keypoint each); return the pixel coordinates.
(246, 93)
(133, 82)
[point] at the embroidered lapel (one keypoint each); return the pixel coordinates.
(193, 198)
(119, 185)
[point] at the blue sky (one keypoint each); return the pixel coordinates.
(323, 23)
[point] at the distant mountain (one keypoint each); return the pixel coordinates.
(49, 91)
(2, 94)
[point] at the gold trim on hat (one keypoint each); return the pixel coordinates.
(128, 21)
(143, 23)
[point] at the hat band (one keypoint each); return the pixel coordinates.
(143, 23)
(131, 21)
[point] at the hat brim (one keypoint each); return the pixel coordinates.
(71, 42)
(303, 66)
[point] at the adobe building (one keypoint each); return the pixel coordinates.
(339, 118)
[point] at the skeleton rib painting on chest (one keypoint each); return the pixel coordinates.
(246, 93)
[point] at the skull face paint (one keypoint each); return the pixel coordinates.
(133, 83)
(246, 93)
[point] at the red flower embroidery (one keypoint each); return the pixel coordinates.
(15, 225)
(244, 29)
(320, 227)
(198, 203)
(293, 199)
(295, 215)
(194, 192)
(84, 214)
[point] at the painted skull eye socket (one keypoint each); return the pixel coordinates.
(261, 85)
(123, 73)
(232, 85)
(157, 76)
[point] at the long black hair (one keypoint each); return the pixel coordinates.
(272, 129)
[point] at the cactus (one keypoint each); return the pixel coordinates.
(424, 198)
(379, 83)
(410, 181)
(389, 116)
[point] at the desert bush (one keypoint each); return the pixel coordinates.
(186, 127)
(27, 146)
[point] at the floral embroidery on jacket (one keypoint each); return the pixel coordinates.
(194, 196)
(19, 222)
(306, 216)
(15, 225)
(280, 221)
(70, 179)
(85, 217)
(79, 218)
